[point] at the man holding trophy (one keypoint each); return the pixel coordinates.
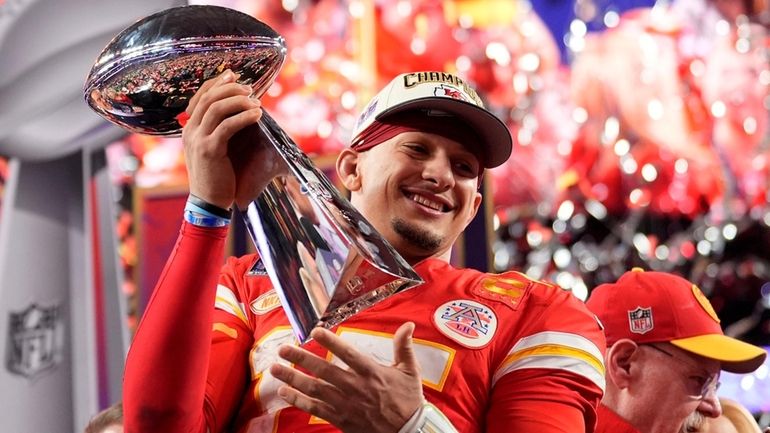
(323, 329)
(465, 351)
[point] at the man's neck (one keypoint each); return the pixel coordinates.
(643, 419)
(414, 259)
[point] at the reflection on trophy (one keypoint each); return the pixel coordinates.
(325, 260)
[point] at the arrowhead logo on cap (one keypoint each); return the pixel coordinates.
(704, 302)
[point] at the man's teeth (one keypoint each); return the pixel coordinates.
(428, 203)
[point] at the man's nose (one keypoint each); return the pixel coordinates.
(438, 170)
(709, 404)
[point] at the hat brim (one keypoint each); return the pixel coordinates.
(495, 137)
(735, 355)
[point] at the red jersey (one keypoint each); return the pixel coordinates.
(497, 353)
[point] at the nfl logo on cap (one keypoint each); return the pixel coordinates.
(640, 320)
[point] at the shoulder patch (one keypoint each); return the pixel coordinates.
(509, 289)
(467, 322)
(265, 303)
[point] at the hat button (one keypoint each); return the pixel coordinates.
(637, 269)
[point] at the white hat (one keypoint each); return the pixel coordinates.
(445, 93)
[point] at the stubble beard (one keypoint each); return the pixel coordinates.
(416, 236)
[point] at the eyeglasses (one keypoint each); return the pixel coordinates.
(700, 385)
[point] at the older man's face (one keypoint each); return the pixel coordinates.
(677, 383)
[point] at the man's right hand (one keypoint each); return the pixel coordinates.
(227, 159)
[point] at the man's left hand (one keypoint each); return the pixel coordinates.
(366, 398)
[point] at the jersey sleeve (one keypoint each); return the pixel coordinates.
(165, 382)
(552, 378)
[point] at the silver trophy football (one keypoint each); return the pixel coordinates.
(324, 259)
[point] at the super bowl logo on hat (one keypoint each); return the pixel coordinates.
(467, 322)
(640, 320)
(368, 111)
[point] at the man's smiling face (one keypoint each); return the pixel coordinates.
(419, 190)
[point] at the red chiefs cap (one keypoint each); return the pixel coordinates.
(653, 307)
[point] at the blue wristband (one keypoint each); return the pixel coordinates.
(201, 220)
(192, 207)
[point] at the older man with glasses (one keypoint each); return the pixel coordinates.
(665, 352)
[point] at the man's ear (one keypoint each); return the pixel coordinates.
(348, 169)
(476, 204)
(619, 361)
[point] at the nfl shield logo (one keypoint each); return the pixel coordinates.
(640, 320)
(34, 341)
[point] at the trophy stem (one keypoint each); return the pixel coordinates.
(324, 259)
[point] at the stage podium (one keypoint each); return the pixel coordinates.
(62, 314)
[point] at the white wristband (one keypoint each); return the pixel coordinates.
(414, 422)
(428, 419)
